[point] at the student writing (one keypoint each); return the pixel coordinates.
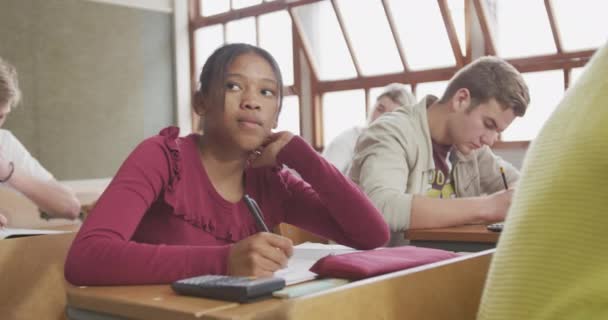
(429, 165)
(19, 170)
(175, 208)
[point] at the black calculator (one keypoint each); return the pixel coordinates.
(239, 289)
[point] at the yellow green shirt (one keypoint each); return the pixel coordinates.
(552, 259)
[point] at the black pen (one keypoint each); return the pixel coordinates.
(504, 179)
(256, 212)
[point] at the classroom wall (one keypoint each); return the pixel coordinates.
(96, 79)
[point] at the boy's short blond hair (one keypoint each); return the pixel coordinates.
(9, 84)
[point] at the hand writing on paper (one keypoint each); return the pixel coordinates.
(498, 205)
(258, 256)
(266, 155)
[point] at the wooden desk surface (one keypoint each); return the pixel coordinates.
(31, 276)
(444, 290)
(143, 302)
(469, 233)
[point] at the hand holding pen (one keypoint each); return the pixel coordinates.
(257, 255)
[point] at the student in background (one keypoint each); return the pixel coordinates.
(18, 169)
(341, 150)
(429, 165)
(176, 208)
(551, 262)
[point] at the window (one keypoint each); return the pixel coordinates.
(582, 23)
(207, 40)
(546, 91)
(435, 88)
(322, 32)
(211, 7)
(242, 30)
(289, 118)
(371, 37)
(422, 33)
(351, 48)
(275, 36)
(238, 4)
(516, 38)
(342, 110)
(458, 18)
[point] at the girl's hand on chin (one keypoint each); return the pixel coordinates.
(266, 154)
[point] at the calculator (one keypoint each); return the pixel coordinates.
(239, 289)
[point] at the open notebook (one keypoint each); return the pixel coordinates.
(304, 256)
(7, 233)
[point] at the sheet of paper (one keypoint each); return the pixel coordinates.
(18, 232)
(304, 256)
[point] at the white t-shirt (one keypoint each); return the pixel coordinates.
(341, 150)
(12, 150)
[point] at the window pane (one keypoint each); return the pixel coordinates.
(211, 7)
(289, 118)
(242, 30)
(457, 12)
(435, 88)
(323, 34)
(275, 36)
(237, 4)
(206, 41)
(516, 38)
(372, 40)
(582, 23)
(422, 33)
(341, 111)
(546, 91)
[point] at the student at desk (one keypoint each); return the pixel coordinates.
(429, 165)
(176, 209)
(341, 150)
(551, 261)
(18, 169)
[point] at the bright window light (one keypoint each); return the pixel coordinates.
(342, 110)
(289, 118)
(546, 91)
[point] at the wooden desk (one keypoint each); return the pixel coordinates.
(31, 276)
(445, 290)
(470, 238)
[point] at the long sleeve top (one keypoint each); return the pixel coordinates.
(551, 261)
(161, 219)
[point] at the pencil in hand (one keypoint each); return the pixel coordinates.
(504, 179)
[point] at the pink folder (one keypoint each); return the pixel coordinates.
(364, 264)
